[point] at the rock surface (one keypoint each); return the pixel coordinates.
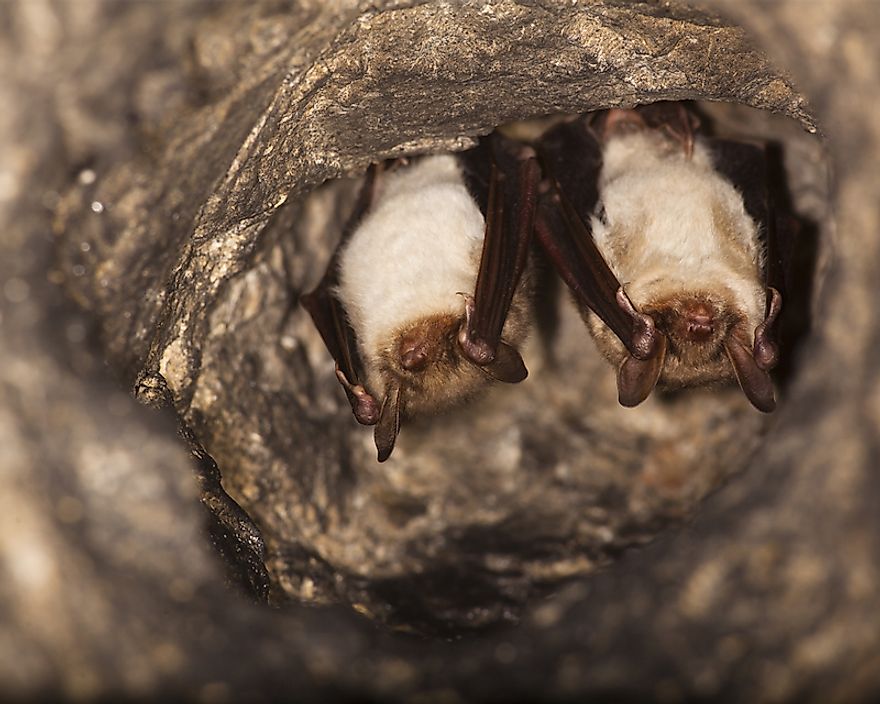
(155, 168)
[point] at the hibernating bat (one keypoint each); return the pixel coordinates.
(424, 302)
(667, 239)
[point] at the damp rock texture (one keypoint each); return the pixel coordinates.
(192, 262)
(173, 176)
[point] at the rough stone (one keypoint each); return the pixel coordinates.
(161, 167)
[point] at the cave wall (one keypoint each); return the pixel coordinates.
(144, 188)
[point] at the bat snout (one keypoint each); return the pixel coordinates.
(697, 321)
(692, 322)
(424, 343)
(414, 354)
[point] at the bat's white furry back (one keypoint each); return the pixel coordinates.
(416, 249)
(672, 223)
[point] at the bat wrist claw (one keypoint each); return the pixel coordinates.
(766, 354)
(476, 350)
(363, 405)
(765, 350)
(646, 339)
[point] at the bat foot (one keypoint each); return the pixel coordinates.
(621, 121)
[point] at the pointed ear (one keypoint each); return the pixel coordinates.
(754, 381)
(388, 426)
(508, 365)
(636, 378)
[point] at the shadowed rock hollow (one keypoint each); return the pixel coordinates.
(479, 508)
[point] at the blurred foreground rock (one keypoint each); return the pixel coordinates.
(154, 163)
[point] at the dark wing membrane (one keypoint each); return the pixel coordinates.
(572, 159)
(506, 187)
(781, 240)
(361, 206)
(475, 165)
(329, 317)
(744, 164)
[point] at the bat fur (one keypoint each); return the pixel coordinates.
(400, 279)
(677, 236)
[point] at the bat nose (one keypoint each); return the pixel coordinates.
(697, 320)
(414, 354)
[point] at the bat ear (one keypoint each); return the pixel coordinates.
(388, 426)
(754, 381)
(636, 378)
(508, 365)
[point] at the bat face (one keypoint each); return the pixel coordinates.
(425, 361)
(696, 325)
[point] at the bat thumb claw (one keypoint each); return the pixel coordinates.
(477, 351)
(363, 405)
(507, 365)
(646, 340)
(765, 350)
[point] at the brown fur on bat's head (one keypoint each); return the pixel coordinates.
(423, 369)
(695, 326)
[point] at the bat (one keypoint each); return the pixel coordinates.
(425, 301)
(668, 240)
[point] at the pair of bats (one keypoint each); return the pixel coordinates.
(666, 237)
